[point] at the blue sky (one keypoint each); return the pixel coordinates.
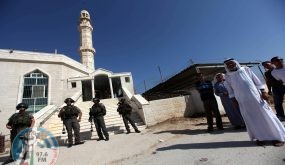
(139, 35)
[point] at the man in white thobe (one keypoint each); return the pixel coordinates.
(247, 92)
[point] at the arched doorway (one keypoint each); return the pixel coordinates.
(102, 87)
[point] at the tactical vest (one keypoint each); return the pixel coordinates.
(124, 109)
(21, 120)
(97, 110)
(69, 112)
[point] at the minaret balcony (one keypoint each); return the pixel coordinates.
(86, 49)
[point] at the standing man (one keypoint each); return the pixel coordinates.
(206, 91)
(278, 74)
(69, 115)
(233, 112)
(247, 92)
(125, 110)
(18, 122)
(97, 113)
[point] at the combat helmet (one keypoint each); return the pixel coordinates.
(22, 105)
(69, 100)
(96, 99)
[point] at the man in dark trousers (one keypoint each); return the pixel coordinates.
(275, 88)
(69, 115)
(206, 91)
(18, 122)
(125, 110)
(97, 113)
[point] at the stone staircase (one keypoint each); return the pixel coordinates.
(113, 121)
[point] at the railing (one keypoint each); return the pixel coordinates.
(54, 109)
(48, 117)
(43, 115)
(43, 111)
(137, 101)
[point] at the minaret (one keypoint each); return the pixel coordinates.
(86, 49)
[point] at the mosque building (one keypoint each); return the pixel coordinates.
(45, 80)
(42, 79)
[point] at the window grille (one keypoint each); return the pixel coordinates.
(35, 92)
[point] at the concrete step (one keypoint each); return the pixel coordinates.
(113, 120)
(93, 134)
(108, 122)
(82, 124)
(111, 131)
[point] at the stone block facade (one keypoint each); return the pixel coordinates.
(184, 106)
(15, 65)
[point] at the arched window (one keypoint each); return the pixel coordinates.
(35, 92)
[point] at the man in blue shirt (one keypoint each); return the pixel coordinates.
(206, 91)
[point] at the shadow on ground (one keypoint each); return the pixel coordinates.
(200, 131)
(204, 123)
(210, 145)
(87, 135)
(83, 135)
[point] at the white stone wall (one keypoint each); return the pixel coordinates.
(197, 106)
(160, 110)
(128, 85)
(68, 91)
(11, 85)
(184, 106)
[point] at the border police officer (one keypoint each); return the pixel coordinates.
(69, 114)
(97, 112)
(125, 110)
(19, 121)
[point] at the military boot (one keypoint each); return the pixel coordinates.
(78, 143)
(100, 139)
(69, 145)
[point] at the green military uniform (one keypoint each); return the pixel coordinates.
(69, 116)
(18, 122)
(97, 112)
(125, 110)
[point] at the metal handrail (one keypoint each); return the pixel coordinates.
(76, 96)
(48, 117)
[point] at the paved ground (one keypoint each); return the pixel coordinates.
(177, 141)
